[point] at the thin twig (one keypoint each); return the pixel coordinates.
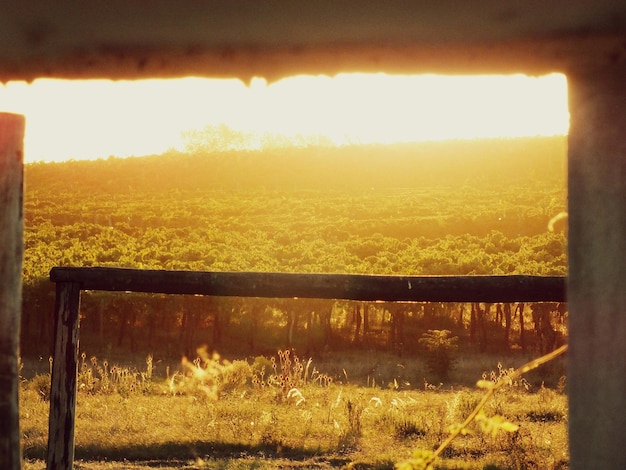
(517, 373)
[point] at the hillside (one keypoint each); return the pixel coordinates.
(478, 164)
(476, 207)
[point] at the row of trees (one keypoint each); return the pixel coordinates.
(171, 326)
(255, 250)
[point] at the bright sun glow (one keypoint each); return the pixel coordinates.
(99, 118)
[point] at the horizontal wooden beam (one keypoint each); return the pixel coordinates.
(123, 39)
(516, 288)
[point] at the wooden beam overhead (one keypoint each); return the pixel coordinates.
(125, 39)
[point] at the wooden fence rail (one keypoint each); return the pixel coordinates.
(326, 286)
(70, 281)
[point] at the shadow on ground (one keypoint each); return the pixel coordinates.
(183, 454)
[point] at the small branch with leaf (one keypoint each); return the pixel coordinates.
(423, 459)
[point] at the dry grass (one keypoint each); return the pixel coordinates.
(218, 414)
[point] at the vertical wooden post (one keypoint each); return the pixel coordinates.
(11, 249)
(64, 371)
(597, 268)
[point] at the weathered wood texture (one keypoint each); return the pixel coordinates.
(597, 269)
(11, 248)
(329, 286)
(247, 38)
(64, 372)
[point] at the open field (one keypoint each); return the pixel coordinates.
(372, 413)
(385, 379)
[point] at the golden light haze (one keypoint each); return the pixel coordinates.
(86, 119)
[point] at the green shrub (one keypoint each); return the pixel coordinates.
(40, 383)
(210, 376)
(441, 350)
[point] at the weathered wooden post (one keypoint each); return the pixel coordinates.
(64, 370)
(597, 268)
(11, 248)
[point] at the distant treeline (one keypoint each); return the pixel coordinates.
(470, 207)
(473, 164)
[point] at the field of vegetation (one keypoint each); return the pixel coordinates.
(384, 379)
(284, 412)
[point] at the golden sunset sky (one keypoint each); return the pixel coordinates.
(101, 118)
